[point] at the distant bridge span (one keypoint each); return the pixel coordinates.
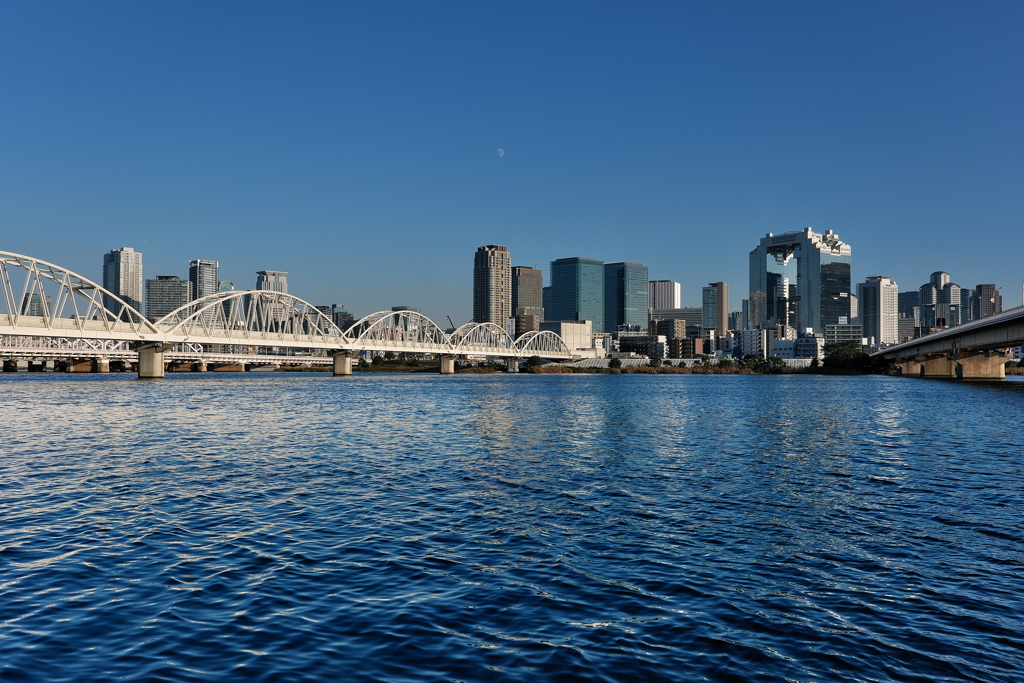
(974, 350)
(43, 300)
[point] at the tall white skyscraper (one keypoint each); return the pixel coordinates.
(664, 294)
(879, 309)
(122, 275)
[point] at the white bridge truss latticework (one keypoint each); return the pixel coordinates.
(473, 337)
(545, 344)
(399, 331)
(252, 318)
(44, 300)
(48, 307)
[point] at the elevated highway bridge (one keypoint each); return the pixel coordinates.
(43, 301)
(975, 350)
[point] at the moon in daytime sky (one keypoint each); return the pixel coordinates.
(501, 152)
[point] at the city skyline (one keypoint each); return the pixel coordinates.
(987, 298)
(686, 132)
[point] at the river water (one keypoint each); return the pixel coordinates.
(511, 528)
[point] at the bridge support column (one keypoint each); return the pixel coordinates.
(79, 365)
(343, 364)
(151, 359)
(939, 366)
(199, 366)
(982, 364)
(229, 367)
(101, 365)
(447, 365)
(10, 366)
(911, 368)
(512, 364)
(37, 366)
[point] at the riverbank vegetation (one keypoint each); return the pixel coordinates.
(842, 358)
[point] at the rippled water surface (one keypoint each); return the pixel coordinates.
(526, 528)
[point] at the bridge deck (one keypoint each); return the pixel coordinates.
(1000, 331)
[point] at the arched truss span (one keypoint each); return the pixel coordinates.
(46, 300)
(542, 344)
(403, 331)
(481, 337)
(255, 317)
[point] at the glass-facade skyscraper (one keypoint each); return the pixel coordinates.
(576, 291)
(715, 307)
(527, 290)
(801, 280)
(625, 295)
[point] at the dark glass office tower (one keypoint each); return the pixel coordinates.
(577, 291)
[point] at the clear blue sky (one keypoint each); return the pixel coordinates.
(355, 144)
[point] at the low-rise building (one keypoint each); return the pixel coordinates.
(642, 343)
(809, 346)
(577, 335)
(685, 347)
(756, 342)
(843, 333)
(784, 348)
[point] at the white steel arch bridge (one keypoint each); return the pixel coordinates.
(45, 306)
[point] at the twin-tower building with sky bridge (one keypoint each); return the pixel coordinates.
(800, 280)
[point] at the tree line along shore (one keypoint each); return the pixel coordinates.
(843, 358)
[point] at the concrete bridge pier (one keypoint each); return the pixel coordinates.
(938, 366)
(78, 365)
(512, 364)
(199, 366)
(229, 367)
(343, 364)
(447, 365)
(151, 359)
(37, 366)
(982, 364)
(911, 368)
(101, 365)
(10, 366)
